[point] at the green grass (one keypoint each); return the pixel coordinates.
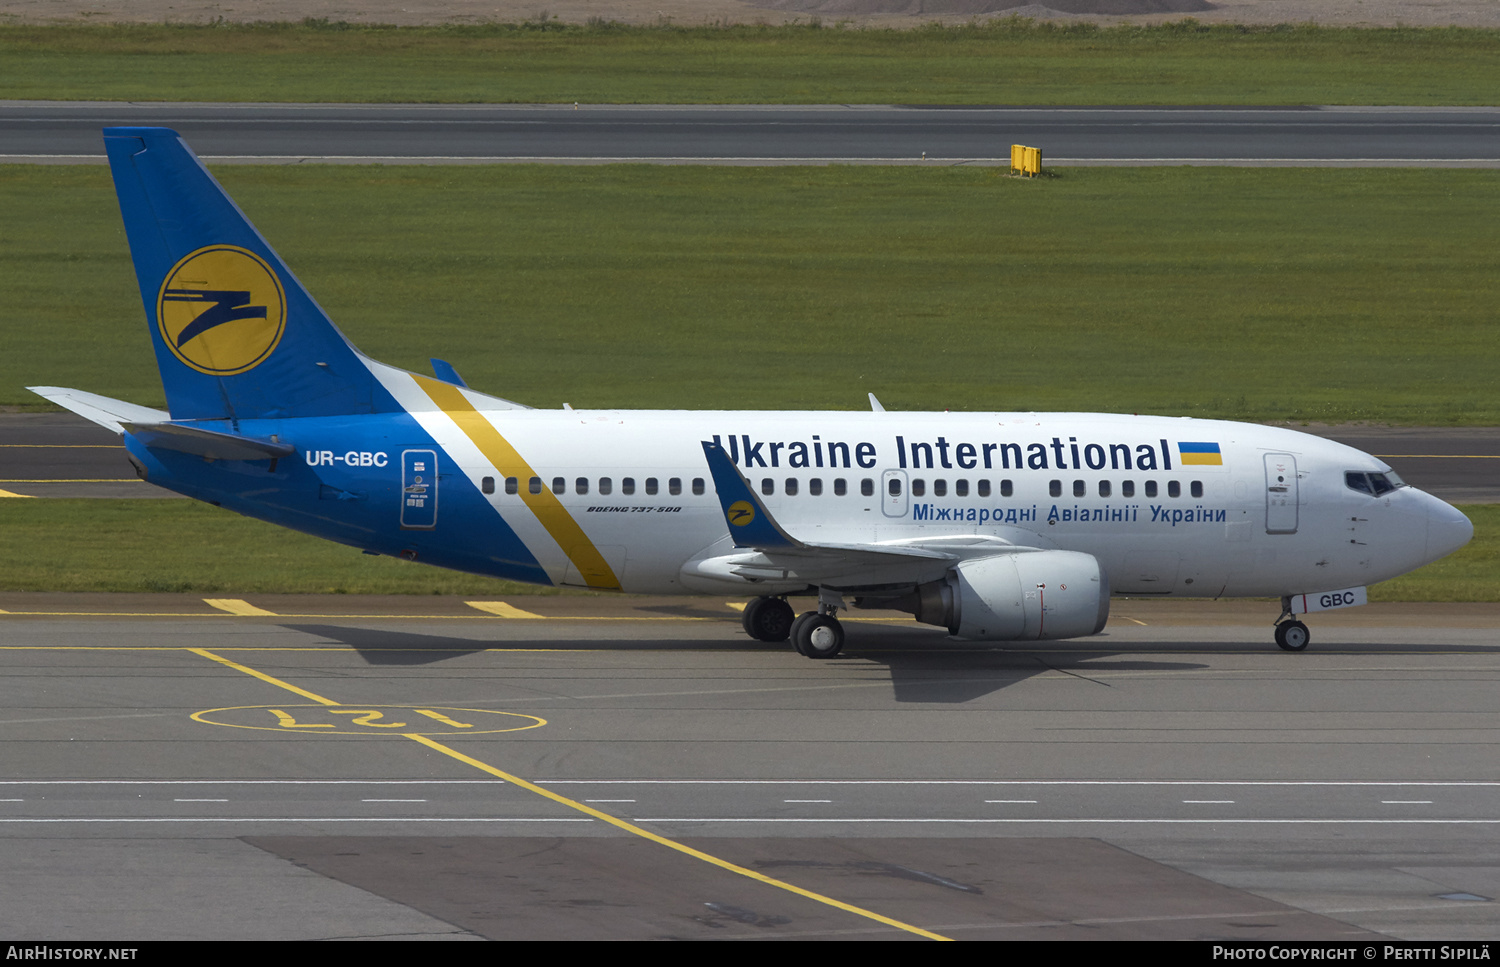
(1002, 61)
(1280, 294)
(189, 547)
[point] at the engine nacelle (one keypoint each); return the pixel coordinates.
(1018, 597)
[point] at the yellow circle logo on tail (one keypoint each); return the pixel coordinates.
(740, 513)
(221, 310)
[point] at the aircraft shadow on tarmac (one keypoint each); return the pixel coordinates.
(923, 665)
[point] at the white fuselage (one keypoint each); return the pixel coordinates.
(1115, 487)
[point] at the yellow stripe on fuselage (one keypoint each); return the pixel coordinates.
(548, 509)
(1202, 460)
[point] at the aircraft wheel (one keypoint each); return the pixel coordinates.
(818, 635)
(1292, 636)
(801, 620)
(768, 619)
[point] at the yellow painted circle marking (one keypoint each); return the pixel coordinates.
(740, 513)
(433, 720)
(221, 310)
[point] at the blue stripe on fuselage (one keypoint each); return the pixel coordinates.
(344, 484)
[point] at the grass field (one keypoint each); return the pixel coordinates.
(1005, 61)
(181, 546)
(1288, 294)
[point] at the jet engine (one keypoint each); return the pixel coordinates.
(1024, 596)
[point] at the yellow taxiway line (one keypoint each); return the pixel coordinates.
(587, 810)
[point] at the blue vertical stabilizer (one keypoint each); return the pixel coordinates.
(236, 335)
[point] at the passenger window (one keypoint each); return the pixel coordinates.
(674, 485)
(1007, 488)
(1151, 488)
(791, 486)
(984, 487)
(1080, 488)
(1104, 488)
(559, 485)
(581, 485)
(487, 485)
(1054, 487)
(940, 488)
(918, 488)
(627, 485)
(961, 488)
(650, 486)
(1196, 488)
(1127, 488)
(605, 485)
(815, 487)
(867, 487)
(767, 486)
(1174, 489)
(534, 485)
(893, 487)
(512, 485)
(698, 486)
(840, 486)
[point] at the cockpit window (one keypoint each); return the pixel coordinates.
(1374, 484)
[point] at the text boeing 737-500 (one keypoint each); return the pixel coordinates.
(997, 526)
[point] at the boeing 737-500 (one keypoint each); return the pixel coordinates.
(996, 526)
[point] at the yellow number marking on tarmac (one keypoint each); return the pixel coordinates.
(285, 721)
(365, 721)
(500, 609)
(236, 606)
(587, 810)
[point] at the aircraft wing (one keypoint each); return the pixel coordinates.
(765, 551)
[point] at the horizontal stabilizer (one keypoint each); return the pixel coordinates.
(108, 413)
(444, 371)
(206, 443)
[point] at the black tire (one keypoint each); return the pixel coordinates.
(818, 636)
(1292, 636)
(768, 619)
(801, 620)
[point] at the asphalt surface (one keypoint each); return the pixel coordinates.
(68, 132)
(180, 774)
(62, 455)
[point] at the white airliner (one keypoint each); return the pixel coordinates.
(996, 526)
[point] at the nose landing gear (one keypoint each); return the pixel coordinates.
(1291, 634)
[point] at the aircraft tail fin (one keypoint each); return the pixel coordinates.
(236, 335)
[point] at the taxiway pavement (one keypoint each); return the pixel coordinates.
(64, 132)
(349, 767)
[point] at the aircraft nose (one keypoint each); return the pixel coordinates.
(1447, 529)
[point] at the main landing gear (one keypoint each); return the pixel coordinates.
(1291, 634)
(815, 634)
(768, 619)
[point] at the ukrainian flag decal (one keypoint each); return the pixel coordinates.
(1200, 455)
